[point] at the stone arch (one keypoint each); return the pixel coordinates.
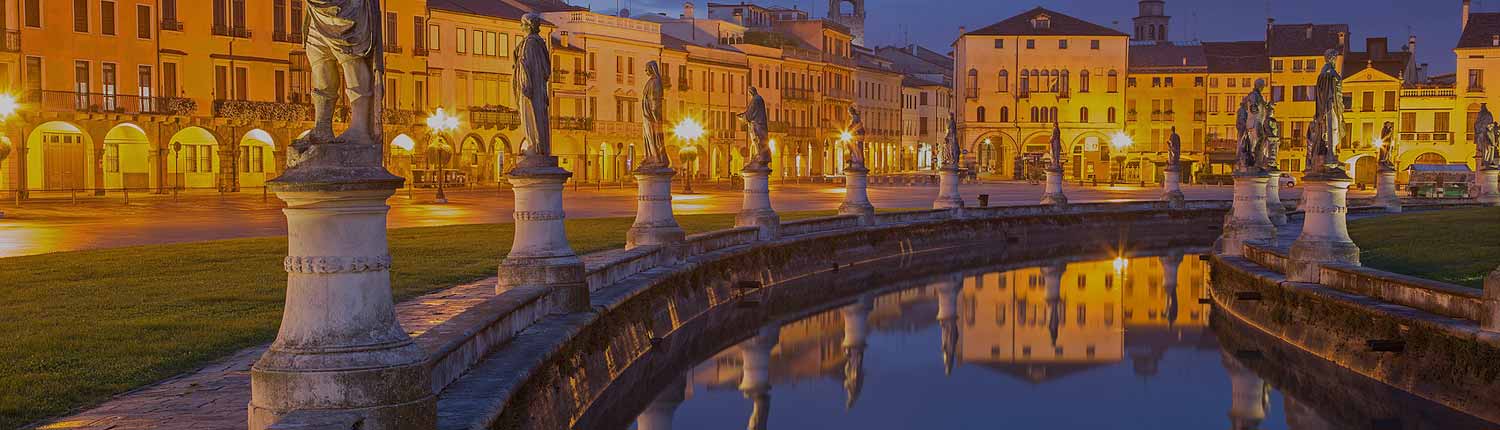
(403, 147)
(57, 157)
(256, 158)
(127, 158)
(1362, 167)
(500, 147)
(1087, 163)
(995, 153)
(472, 159)
(195, 158)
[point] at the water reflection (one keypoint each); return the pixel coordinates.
(1120, 343)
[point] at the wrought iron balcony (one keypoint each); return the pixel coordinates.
(393, 48)
(778, 126)
(494, 117)
(240, 32)
(12, 41)
(420, 51)
(171, 25)
(286, 37)
(262, 111)
(572, 123)
(799, 94)
(1427, 137)
(70, 101)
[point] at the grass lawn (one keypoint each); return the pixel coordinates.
(1459, 246)
(89, 324)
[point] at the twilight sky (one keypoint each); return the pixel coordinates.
(934, 23)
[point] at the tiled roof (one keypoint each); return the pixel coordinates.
(673, 43)
(1305, 39)
(1059, 25)
(914, 81)
(1167, 55)
(490, 8)
(1481, 31)
(910, 63)
(540, 5)
(1237, 57)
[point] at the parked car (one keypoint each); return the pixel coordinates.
(1287, 181)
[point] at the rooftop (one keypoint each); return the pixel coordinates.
(1482, 31)
(1043, 22)
(1237, 57)
(1168, 55)
(1306, 39)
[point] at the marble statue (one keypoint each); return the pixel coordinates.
(951, 153)
(1174, 151)
(532, 69)
(344, 49)
(1054, 149)
(651, 117)
(1388, 146)
(1272, 129)
(856, 144)
(1485, 138)
(1250, 123)
(755, 116)
(1328, 118)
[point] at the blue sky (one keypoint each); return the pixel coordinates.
(934, 23)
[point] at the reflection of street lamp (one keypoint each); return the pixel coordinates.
(689, 130)
(441, 123)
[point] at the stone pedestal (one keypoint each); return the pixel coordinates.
(340, 350)
(948, 196)
(755, 359)
(1054, 191)
(1275, 208)
(1325, 229)
(654, 222)
(755, 209)
(1489, 187)
(1248, 221)
(1248, 395)
(856, 318)
(540, 254)
(658, 415)
(856, 198)
(1490, 320)
(1385, 191)
(1171, 186)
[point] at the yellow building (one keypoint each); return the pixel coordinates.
(1478, 53)
(927, 105)
(1297, 55)
(1233, 68)
(1020, 75)
(1167, 88)
(877, 87)
(1372, 87)
(1431, 128)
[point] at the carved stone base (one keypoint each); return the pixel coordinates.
(1248, 221)
(948, 196)
(1053, 194)
(540, 254)
(654, 221)
(856, 196)
(1325, 230)
(1275, 208)
(1385, 191)
(1171, 186)
(1490, 319)
(1489, 187)
(755, 208)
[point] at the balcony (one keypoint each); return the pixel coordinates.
(798, 94)
(171, 25)
(800, 131)
(572, 123)
(262, 111)
(494, 117)
(1427, 137)
(1199, 116)
(12, 41)
(392, 48)
(724, 133)
(240, 32)
(778, 126)
(839, 93)
(683, 84)
(69, 101)
(286, 37)
(420, 51)
(1427, 92)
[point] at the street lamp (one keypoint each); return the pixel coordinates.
(441, 123)
(177, 159)
(689, 130)
(1121, 142)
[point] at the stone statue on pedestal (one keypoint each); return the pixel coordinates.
(1484, 134)
(1328, 121)
(760, 147)
(951, 153)
(344, 48)
(1250, 123)
(1174, 151)
(1388, 146)
(1272, 131)
(1054, 149)
(855, 146)
(532, 69)
(651, 117)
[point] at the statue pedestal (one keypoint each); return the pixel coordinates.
(540, 254)
(1171, 186)
(755, 209)
(1325, 230)
(856, 198)
(1489, 187)
(658, 415)
(755, 357)
(340, 349)
(654, 222)
(1275, 208)
(948, 197)
(1053, 194)
(1385, 191)
(1248, 221)
(1490, 320)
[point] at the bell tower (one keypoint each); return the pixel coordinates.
(1153, 21)
(854, 17)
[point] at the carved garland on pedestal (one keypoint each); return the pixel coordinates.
(328, 265)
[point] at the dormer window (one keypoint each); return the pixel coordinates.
(1495, 40)
(1041, 22)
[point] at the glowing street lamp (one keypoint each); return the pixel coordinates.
(689, 130)
(441, 123)
(8, 107)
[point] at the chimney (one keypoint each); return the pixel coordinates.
(1344, 42)
(1376, 46)
(1465, 24)
(562, 38)
(962, 31)
(1411, 44)
(739, 18)
(687, 9)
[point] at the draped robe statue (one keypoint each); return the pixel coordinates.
(1272, 131)
(1484, 138)
(856, 144)
(1054, 149)
(755, 116)
(651, 118)
(532, 69)
(1388, 146)
(1328, 118)
(1174, 151)
(1250, 123)
(343, 45)
(951, 152)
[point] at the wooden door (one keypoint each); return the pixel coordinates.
(63, 161)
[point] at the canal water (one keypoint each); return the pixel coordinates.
(1120, 343)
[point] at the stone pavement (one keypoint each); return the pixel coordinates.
(216, 396)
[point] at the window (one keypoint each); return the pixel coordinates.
(1476, 80)
(434, 38)
(1278, 65)
(34, 13)
(1130, 82)
(33, 74)
(143, 21)
(1083, 81)
(110, 85)
(1278, 94)
(418, 34)
(1083, 114)
(971, 84)
(1213, 104)
(478, 44)
(106, 17)
(392, 39)
(278, 19)
(1030, 44)
(1167, 82)
(239, 17)
(1111, 116)
(1440, 122)
(462, 38)
(493, 48)
(81, 16)
(280, 86)
(1004, 114)
(1114, 81)
(1303, 93)
(1197, 82)
(81, 83)
(1062, 43)
(221, 82)
(1094, 44)
(221, 16)
(143, 87)
(979, 114)
(999, 43)
(1155, 82)
(169, 79)
(1230, 82)
(1390, 101)
(1004, 84)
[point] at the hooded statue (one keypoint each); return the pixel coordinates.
(856, 144)
(760, 147)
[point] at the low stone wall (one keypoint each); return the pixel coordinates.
(819, 225)
(549, 375)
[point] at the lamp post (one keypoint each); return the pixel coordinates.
(177, 159)
(7, 108)
(1121, 143)
(441, 123)
(689, 130)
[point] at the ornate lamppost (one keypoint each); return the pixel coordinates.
(441, 123)
(7, 108)
(690, 131)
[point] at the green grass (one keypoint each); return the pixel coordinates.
(1459, 246)
(82, 326)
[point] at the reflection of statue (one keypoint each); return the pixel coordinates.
(952, 153)
(532, 69)
(651, 117)
(1272, 128)
(856, 144)
(1387, 146)
(1054, 149)
(1328, 118)
(854, 374)
(949, 328)
(1484, 138)
(755, 116)
(1250, 123)
(1174, 151)
(760, 409)
(343, 46)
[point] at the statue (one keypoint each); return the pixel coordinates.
(651, 117)
(1484, 138)
(951, 152)
(1250, 123)
(344, 47)
(1387, 146)
(532, 69)
(1174, 151)
(1054, 148)
(755, 116)
(1272, 130)
(1328, 119)
(855, 146)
